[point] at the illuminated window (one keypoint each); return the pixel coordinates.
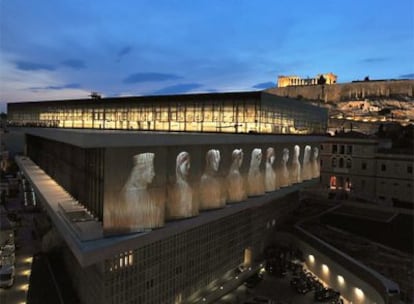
(333, 182)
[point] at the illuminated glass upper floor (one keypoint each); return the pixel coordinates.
(244, 112)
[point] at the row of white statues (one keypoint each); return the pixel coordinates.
(145, 209)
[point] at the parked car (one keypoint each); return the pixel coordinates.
(253, 280)
(7, 273)
(327, 294)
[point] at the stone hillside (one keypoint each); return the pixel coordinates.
(394, 89)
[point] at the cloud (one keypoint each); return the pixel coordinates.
(62, 87)
(149, 77)
(124, 51)
(374, 59)
(74, 64)
(33, 66)
(178, 88)
(410, 76)
(264, 85)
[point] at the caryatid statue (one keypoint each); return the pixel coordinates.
(306, 165)
(315, 163)
(180, 195)
(212, 195)
(235, 183)
(284, 177)
(270, 174)
(143, 209)
(295, 168)
(255, 177)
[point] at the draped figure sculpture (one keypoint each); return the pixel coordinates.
(295, 168)
(315, 163)
(144, 209)
(284, 177)
(255, 177)
(211, 192)
(307, 165)
(235, 183)
(180, 195)
(270, 174)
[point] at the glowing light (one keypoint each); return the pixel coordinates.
(24, 287)
(359, 293)
(311, 258)
(221, 287)
(341, 280)
(26, 272)
(325, 268)
(28, 260)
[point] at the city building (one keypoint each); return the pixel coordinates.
(358, 166)
(247, 112)
(148, 214)
(196, 223)
(285, 81)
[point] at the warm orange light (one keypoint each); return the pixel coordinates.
(341, 280)
(325, 268)
(311, 258)
(24, 287)
(359, 293)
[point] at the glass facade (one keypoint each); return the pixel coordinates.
(246, 112)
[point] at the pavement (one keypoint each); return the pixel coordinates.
(26, 246)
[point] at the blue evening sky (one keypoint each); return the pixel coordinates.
(66, 49)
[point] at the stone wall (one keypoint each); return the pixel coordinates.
(349, 91)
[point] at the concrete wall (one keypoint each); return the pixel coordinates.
(350, 284)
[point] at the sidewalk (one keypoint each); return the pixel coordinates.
(25, 249)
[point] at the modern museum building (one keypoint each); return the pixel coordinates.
(158, 199)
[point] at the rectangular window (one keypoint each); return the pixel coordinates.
(342, 149)
(410, 169)
(383, 167)
(334, 149)
(364, 166)
(349, 149)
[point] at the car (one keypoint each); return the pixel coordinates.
(327, 294)
(7, 273)
(253, 280)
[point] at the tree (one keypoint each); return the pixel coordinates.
(366, 78)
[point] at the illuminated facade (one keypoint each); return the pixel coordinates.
(246, 112)
(137, 210)
(285, 81)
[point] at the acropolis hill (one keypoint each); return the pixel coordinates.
(349, 91)
(361, 105)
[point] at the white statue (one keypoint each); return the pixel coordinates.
(306, 165)
(180, 195)
(143, 209)
(255, 177)
(270, 175)
(235, 184)
(295, 169)
(315, 162)
(284, 177)
(211, 192)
